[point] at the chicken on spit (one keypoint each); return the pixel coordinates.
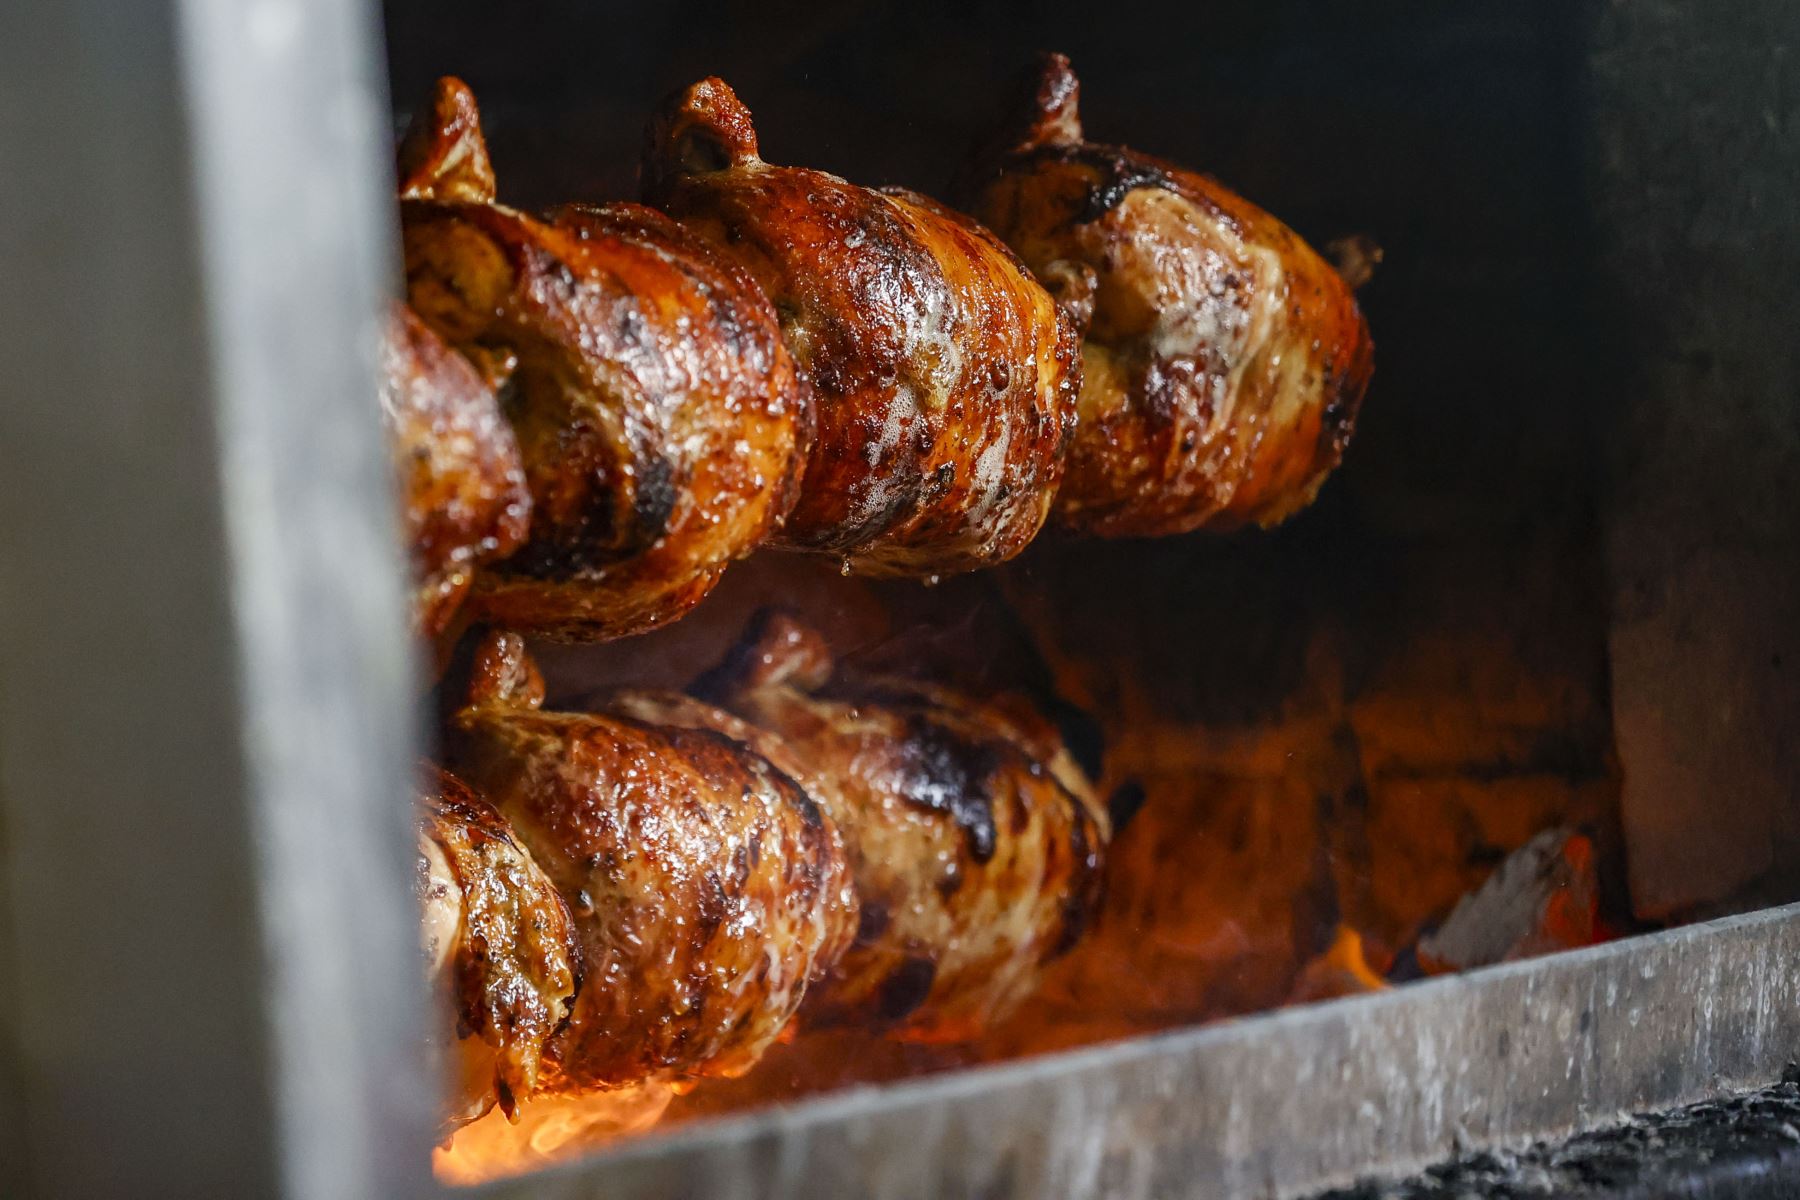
(1223, 360)
(499, 950)
(945, 377)
(660, 417)
(974, 840)
(890, 379)
(707, 888)
(463, 493)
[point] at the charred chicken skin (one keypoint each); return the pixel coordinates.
(463, 493)
(499, 949)
(945, 377)
(707, 888)
(1223, 360)
(974, 840)
(659, 415)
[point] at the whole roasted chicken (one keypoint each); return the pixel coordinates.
(499, 950)
(974, 840)
(945, 377)
(1223, 360)
(463, 493)
(707, 888)
(659, 415)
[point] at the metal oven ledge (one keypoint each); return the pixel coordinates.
(1275, 1105)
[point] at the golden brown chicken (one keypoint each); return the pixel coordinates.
(707, 887)
(462, 484)
(499, 950)
(945, 377)
(658, 412)
(1223, 360)
(974, 840)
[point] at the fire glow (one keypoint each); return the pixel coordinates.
(547, 1130)
(553, 1129)
(1334, 829)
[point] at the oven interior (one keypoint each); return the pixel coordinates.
(1529, 608)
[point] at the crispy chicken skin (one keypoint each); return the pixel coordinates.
(974, 840)
(707, 888)
(659, 414)
(1224, 360)
(499, 948)
(944, 375)
(463, 493)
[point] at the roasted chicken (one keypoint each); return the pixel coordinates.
(974, 840)
(658, 412)
(499, 950)
(944, 375)
(707, 888)
(595, 411)
(1223, 360)
(463, 493)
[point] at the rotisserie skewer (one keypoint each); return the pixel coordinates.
(857, 850)
(888, 378)
(649, 366)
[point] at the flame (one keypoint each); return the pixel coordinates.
(1342, 970)
(548, 1129)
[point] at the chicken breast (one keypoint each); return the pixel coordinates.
(499, 950)
(945, 377)
(1223, 360)
(975, 842)
(660, 417)
(462, 484)
(707, 887)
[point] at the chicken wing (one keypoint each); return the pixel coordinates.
(707, 887)
(658, 412)
(945, 377)
(1224, 361)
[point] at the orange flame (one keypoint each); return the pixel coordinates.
(548, 1129)
(1342, 970)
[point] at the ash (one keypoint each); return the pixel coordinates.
(1742, 1146)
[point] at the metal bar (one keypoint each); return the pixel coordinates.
(205, 727)
(1278, 1105)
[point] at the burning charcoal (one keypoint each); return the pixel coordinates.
(1543, 898)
